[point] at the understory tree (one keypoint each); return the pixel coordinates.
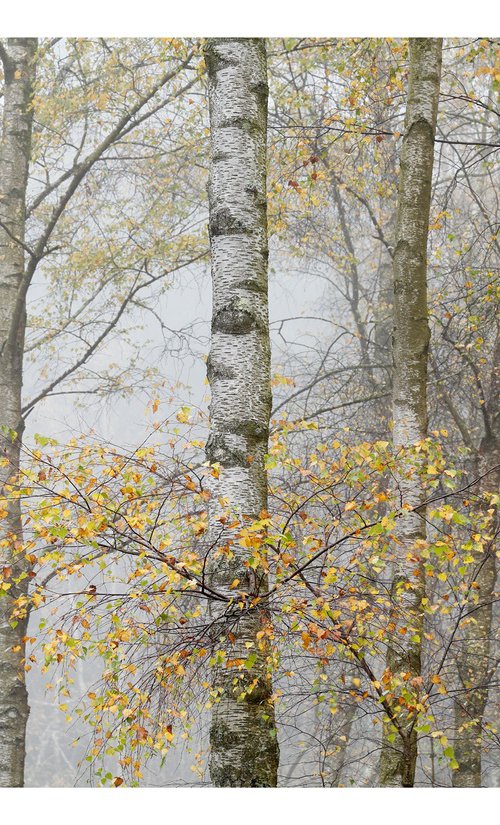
(67, 130)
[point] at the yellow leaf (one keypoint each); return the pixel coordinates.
(183, 415)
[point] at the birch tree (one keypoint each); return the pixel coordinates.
(244, 749)
(410, 347)
(18, 66)
(27, 233)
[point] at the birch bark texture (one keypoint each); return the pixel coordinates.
(18, 58)
(409, 400)
(244, 748)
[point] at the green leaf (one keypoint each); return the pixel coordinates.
(43, 440)
(250, 661)
(376, 530)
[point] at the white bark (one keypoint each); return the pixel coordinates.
(18, 61)
(244, 750)
(410, 348)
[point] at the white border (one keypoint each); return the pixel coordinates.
(210, 806)
(262, 18)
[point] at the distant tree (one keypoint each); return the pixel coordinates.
(477, 654)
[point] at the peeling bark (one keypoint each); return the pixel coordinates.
(18, 56)
(410, 347)
(244, 749)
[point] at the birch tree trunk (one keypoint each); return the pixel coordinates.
(18, 56)
(478, 656)
(409, 400)
(244, 749)
(382, 330)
